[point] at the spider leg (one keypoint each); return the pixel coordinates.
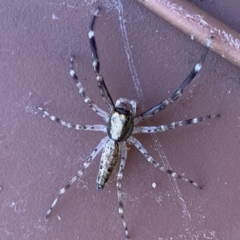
(87, 100)
(144, 152)
(123, 156)
(101, 128)
(78, 175)
(162, 105)
(172, 125)
(96, 65)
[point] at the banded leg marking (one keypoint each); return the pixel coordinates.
(101, 128)
(123, 156)
(172, 125)
(78, 175)
(96, 65)
(162, 105)
(144, 152)
(87, 100)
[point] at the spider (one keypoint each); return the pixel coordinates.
(121, 125)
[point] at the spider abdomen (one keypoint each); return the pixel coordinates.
(108, 161)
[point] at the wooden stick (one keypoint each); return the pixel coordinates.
(199, 25)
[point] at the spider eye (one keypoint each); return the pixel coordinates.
(122, 110)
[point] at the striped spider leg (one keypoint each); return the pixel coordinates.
(78, 175)
(87, 100)
(96, 65)
(121, 124)
(162, 105)
(123, 158)
(173, 125)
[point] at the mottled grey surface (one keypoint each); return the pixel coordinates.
(143, 58)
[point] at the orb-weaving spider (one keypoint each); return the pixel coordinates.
(121, 124)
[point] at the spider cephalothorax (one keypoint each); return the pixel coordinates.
(121, 125)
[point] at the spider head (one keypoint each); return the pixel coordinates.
(127, 106)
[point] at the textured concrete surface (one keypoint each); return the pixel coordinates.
(142, 58)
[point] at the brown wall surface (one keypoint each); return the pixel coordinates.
(142, 58)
